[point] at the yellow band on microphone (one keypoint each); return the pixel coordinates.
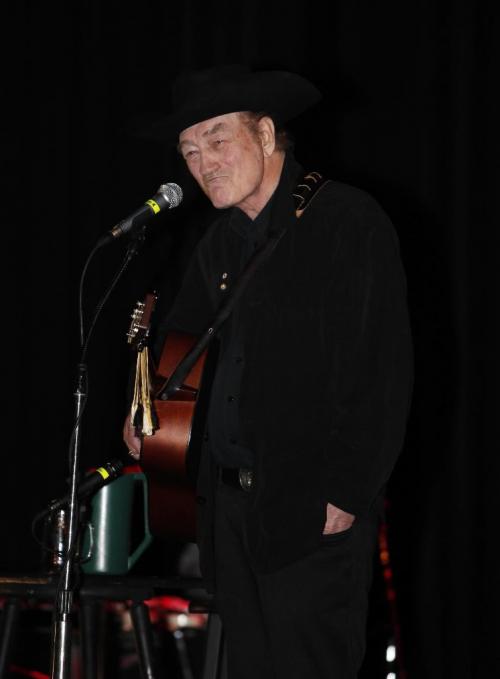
(153, 205)
(102, 472)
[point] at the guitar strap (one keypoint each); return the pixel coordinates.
(142, 411)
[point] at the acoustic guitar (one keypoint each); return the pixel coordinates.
(169, 456)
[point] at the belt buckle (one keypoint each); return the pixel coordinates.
(245, 477)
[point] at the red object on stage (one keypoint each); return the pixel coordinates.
(23, 671)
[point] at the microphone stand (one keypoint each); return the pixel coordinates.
(61, 632)
(63, 605)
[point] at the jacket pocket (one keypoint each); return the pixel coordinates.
(335, 538)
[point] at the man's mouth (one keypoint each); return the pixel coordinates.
(211, 180)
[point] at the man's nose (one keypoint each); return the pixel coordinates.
(208, 163)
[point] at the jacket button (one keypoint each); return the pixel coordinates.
(200, 500)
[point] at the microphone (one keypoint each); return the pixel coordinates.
(92, 482)
(167, 197)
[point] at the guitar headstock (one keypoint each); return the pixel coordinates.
(141, 321)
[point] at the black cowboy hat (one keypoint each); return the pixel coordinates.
(201, 95)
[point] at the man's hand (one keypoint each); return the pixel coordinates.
(337, 520)
(132, 441)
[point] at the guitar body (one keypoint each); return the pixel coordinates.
(175, 445)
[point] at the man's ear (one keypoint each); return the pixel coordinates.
(267, 135)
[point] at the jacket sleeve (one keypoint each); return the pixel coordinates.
(372, 364)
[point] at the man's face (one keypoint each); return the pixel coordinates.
(226, 159)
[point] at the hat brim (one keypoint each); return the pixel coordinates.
(282, 95)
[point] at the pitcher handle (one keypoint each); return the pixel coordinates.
(148, 538)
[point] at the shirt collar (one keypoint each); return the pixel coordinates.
(252, 228)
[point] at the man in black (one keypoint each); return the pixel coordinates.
(311, 394)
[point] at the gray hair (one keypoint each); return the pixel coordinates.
(251, 119)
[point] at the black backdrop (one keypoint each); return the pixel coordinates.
(408, 114)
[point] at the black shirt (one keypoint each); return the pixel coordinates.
(226, 443)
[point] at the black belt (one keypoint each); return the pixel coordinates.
(237, 478)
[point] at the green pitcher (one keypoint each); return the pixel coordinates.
(118, 530)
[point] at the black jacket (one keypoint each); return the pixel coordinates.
(326, 390)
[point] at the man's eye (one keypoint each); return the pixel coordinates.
(190, 154)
